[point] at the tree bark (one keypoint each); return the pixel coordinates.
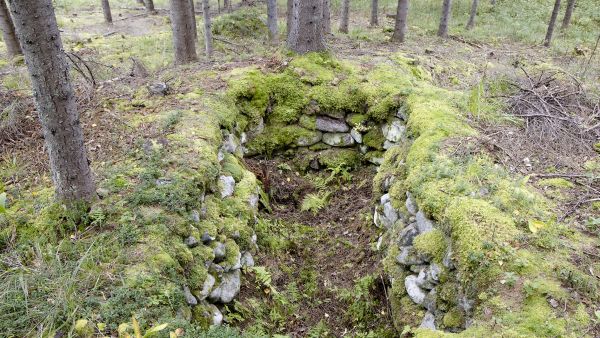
(326, 17)
(493, 2)
(227, 5)
(106, 11)
(272, 21)
(183, 32)
(193, 18)
(306, 34)
(7, 26)
(345, 16)
(290, 16)
(473, 14)
(552, 23)
(208, 40)
(568, 14)
(401, 21)
(445, 19)
(374, 13)
(150, 6)
(35, 24)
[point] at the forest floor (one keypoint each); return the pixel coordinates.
(329, 276)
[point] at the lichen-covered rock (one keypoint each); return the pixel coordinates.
(407, 235)
(228, 289)
(309, 140)
(411, 207)
(414, 291)
(207, 286)
(394, 131)
(328, 124)
(226, 185)
(409, 256)
(247, 261)
(356, 135)
(189, 297)
(338, 139)
(428, 321)
(424, 224)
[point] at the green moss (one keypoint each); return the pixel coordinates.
(308, 122)
(196, 276)
(243, 23)
(231, 166)
(454, 318)
(374, 138)
(288, 98)
(232, 254)
(432, 244)
(250, 93)
(316, 68)
(277, 137)
(333, 158)
(555, 183)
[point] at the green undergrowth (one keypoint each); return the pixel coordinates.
(496, 224)
(242, 23)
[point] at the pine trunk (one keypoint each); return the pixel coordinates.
(193, 18)
(7, 26)
(272, 21)
(208, 39)
(374, 13)
(568, 14)
(473, 14)
(306, 33)
(55, 99)
(106, 11)
(552, 23)
(326, 17)
(150, 6)
(183, 32)
(445, 19)
(401, 21)
(345, 16)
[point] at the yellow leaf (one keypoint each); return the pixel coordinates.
(136, 328)
(535, 225)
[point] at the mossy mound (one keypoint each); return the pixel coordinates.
(243, 23)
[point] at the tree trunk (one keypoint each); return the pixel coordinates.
(493, 2)
(568, 13)
(183, 32)
(208, 40)
(552, 23)
(446, 8)
(473, 14)
(307, 29)
(106, 11)
(272, 21)
(7, 26)
(345, 16)
(193, 18)
(401, 21)
(374, 13)
(150, 6)
(290, 16)
(326, 17)
(55, 100)
(227, 5)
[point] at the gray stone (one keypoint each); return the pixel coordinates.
(424, 281)
(379, 243)
(247, 261)
(257, 129)
(435, 271)
(220, 251)
(228, 289)
(237, 263)
(217, 316)
(164, 181)
(424, 224)
(401, 113)
(363, 149)
(394, 131)
(231, 143)
(189, 298)
(191, 242)
(387, 144)
(387, 182)
(356, 135)
(376, 218)
(253, 239)
(158, 88)
(407, 235)
(220, 155)
(390, 215)
(428, 321)
(209, 282)
(206, 238)
(253, 201)
(195, 216)
(227, 185)
(385, 199)
(466, 304)
(413, 290)
(417, 268)
(410, 204)
(409, 256)
(328, 124)
(338, 139)
(375, 160)
(307, 141)
(430, 301)
(447, 260)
